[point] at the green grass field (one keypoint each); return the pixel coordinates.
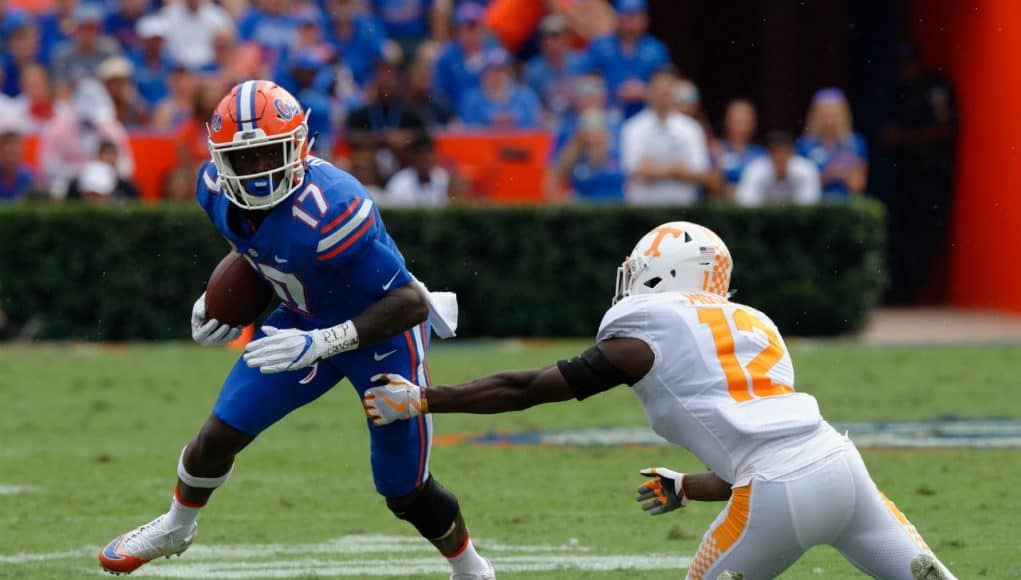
(89, 439)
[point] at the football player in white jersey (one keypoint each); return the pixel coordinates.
(715, 377)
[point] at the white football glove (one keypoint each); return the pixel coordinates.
(283, 350)
(399, 399)
(663, 493)
(210, 332)
(292, 349)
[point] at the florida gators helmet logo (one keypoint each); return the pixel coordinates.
(216, 123)
(287, 109)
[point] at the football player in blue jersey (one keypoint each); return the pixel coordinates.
(349, 308)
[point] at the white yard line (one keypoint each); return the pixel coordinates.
(409, 566)
(27, 557)
(361, 556)
(14, 489)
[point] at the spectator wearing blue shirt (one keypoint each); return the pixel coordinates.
(628, 59)
(16, 177)
(10, 20)
(311, 85)
(268, 24)
(122, 23)
(552, 72)
(830, 142)
(55, 26)
(359, 39)
(22, 50)
(588, 93)
(460, 63)
(500, 102)
(735, 150)
(590, 163)
(407, 22)
(308, 42)
(152, 63)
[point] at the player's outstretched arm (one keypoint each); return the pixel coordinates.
(611, 363)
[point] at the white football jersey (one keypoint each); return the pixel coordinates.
(722, 385)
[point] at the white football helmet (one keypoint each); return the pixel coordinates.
(676, 256)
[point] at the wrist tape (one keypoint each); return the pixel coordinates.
(340, 338)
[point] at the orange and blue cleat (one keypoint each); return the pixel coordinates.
(128, 552)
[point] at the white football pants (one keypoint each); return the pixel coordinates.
(768, 524)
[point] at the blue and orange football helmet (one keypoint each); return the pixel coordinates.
(256, 115)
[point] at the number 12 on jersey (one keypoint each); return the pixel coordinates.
(749, 381)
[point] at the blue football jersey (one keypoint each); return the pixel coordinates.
(324, 250)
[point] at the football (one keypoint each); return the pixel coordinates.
(236, 294)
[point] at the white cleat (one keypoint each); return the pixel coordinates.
(127, 552)
(489, 574)
(928, 567)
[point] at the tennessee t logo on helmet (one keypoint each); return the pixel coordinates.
(259, 115)
(676, 256)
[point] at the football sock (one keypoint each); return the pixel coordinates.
(182, 513)
(468, 561)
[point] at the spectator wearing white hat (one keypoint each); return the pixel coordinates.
(780, 176)
(151, 60)
(94, 178)
(118, 77)
(663, 152)
(96, 183)
(191, 28)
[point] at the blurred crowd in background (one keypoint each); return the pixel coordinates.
(383, 77)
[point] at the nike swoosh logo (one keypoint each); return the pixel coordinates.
(311, 374)
(389, 283)
(380, 357)
(399, 407)
(279, 260)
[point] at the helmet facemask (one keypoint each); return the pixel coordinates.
(254, 189)
(627, 273)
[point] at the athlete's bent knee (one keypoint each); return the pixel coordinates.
(430, 508)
